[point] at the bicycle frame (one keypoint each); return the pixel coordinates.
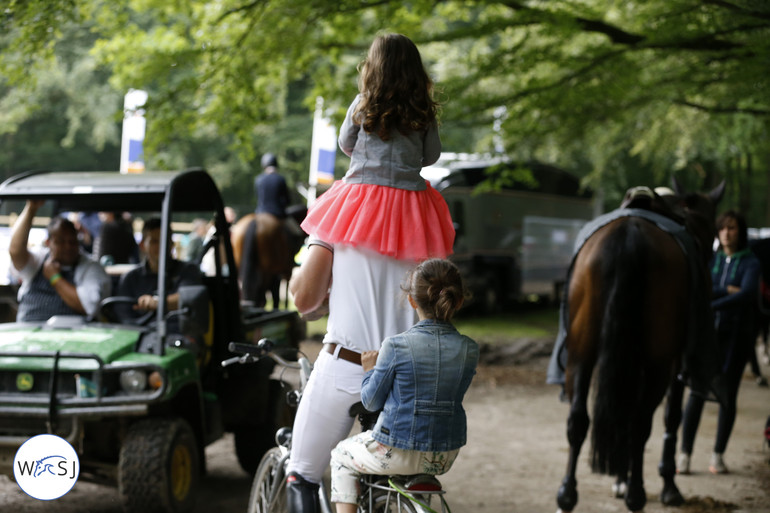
(379, 493)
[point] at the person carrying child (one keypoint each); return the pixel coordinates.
(367, 231)
(418, 379)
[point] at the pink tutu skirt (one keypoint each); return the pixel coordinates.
(402, 224)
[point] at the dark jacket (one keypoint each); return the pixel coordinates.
(742, 270)
(272, 194)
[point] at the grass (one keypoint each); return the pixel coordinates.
(523, 322)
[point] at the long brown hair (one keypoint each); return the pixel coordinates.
(396, 91)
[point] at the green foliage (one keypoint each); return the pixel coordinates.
(622, 93)
(501, 176)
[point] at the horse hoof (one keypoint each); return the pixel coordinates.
(671, 497)
(619, 490)
(563, 511)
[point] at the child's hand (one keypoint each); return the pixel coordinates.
(368, 360)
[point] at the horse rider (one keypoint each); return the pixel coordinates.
(273, 194)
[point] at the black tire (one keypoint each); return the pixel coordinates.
(269, 481)
(253, 441)
(159, 467)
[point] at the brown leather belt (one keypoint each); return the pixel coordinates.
(344, 353)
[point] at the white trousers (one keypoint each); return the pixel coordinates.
(323, 417)
(366, 305)
(362, 454)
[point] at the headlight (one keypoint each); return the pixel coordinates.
(155, 380)
(133, 381)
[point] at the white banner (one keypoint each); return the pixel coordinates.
(323, 150)
(132, 142)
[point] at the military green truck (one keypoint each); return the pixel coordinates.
(514, 242)
(139, 401)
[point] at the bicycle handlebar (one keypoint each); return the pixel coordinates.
(254, 352)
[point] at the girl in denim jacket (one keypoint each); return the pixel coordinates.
(418, 379)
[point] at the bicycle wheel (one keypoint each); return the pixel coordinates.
(268, 491)
(391, 502)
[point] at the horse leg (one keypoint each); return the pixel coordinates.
(577, 429)
(259, 291)
(670, 495)
(275, 291)
(636, 497)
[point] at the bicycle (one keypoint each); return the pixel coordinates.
(420, 493)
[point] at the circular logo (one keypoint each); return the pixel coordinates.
(24, 381)
(46, 467)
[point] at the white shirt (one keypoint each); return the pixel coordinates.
(366, 303)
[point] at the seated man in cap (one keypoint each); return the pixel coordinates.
(142, 283)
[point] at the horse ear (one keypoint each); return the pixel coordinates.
(717, 193)
(677, 186)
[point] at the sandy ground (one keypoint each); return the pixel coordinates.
(515, 458)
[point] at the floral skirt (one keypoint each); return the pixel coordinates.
(362, 454)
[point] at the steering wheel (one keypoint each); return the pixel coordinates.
(107, 308)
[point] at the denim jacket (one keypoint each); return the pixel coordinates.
(419, 382)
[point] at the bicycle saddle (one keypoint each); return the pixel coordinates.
(366, 418)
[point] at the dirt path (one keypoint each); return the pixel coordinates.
(514, 460)
(517, 455)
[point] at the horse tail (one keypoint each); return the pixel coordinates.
(249, 271)
(619, 369)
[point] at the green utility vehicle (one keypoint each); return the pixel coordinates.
(139, 401)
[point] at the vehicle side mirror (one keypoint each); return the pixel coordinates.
(194, 305)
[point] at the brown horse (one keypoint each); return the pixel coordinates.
(628, 318)
(264, 251)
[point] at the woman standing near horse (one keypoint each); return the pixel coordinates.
(735, 273)
(367, 232)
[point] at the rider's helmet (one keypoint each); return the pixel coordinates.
(268, 160)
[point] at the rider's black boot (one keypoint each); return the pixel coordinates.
(301, 495)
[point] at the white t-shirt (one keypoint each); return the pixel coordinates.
(366, 303)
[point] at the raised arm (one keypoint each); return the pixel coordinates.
(17, 247)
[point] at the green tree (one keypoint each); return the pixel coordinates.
(665, 86)
(61, 113)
